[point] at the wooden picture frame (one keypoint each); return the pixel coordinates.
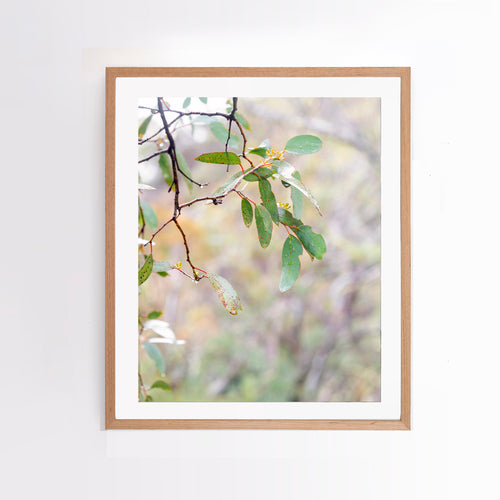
(114, 421)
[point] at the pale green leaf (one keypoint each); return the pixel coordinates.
(303, 144)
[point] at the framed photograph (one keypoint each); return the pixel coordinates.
(258, 248)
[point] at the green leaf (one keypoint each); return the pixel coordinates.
(286, 171)
(303, 144)
(268, 199)
(226, 293)
(160, 384)
(155, 354)
(149, 214)
(149, 399)
(145, 270)
(288, 219)
(264, 224)
(229, 184)
(262, 152)
(186, 102)
(290, 262)
(242, 120)
(203, 99)
(144, 126)
(246, 212)
(220, 132)
(222, 158)
(297, 197)
(313, 242)
(162, 274)
(166, 169)
(183, 165)
(257, 174)
(154, 314)
(162, 266)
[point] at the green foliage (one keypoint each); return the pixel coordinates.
(303, 144)
(166, 168)
(243, 121)
(149, 214)
(230, 183)
(259, 173)
(296, 195)
(264, 224)
(145, 270)
(224, 158)
(204, 100)
(268, 199)
(154, 314)
(227, 295)
(285, 171)
(221, 133)
(144, 126)
(155, 354)
(246, 212)
(183, 165)
(160, 384)
(313, 242)
(260, 151)
(186, 102)
(292, 249)
(288, 219)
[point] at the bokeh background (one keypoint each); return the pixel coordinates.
(319, 341)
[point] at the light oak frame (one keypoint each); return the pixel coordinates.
(404, 73)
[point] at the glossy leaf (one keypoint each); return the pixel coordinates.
(242, 120)
(226, 293)
(166, 169)
(290, 262)
(264, 224)
(160, 384)
(230, 183)
(283, 168)
(144, 126)
(186, 102)
(145, 270)
(288, 219)
(154, 314)
(223, 158)
(262, 152)
(183, 165)
(162, 266)
(203, 99)
(314, 243)
(268, 199)
(220, 132)
(162, 274)
(297, 197)
(149, 214)
(257, 174)
(155, 354)
(303, 144)
(246, 212)
(285, 174)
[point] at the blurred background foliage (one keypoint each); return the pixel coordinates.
(319, 341)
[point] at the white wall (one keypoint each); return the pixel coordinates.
(52, 301)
